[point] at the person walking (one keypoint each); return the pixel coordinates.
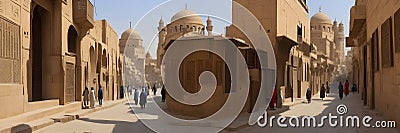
(346, 88)
(136, 96)
(308, 95)
(273, 100)
(86, 97)
(341, 90)
(92, 98)
(354, 88)
(154, 89)
(147, 90)
(163, 91)
(328, 88)
(100, 96)
(322, 92)
(143, 98)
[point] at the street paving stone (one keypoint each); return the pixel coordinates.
(121, 119)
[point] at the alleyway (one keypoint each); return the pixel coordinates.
(121, 119)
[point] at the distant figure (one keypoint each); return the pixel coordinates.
(322, 92)
(163, 91)
(100, 96)
(308, 95)
(354, 88)
(341, 90)
(273, 100)
(85, 97)
(328, 88)
(346, 88)
(121, 92)
(92, 97)
(136, 96)
(147, 90)
(154, 89)
(143, 98)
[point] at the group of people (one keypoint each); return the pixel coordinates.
(346, 89)
(141, 98)
(343, 90)
(89, 97)
(323, 92)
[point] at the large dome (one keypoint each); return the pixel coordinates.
(133, 34)
(187, 15)
(321, 18)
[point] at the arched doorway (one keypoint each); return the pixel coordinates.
(38, 29)
(92, 67)
(72, 39)
(71, 71)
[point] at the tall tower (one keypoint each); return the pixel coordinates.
(161, 40)
(339, 41)
(209, 26)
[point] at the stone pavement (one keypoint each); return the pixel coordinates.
(319, 108)
(127, 118)
(28, 122)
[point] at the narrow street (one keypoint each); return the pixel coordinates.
(321, 108)
(120, 118)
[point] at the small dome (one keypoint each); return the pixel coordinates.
(188, 15)
(133, 34)
(321, 18)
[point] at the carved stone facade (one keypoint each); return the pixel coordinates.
(45, 58)
(374, 38)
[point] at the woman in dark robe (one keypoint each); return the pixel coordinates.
(341, 90)
(163, 93)
(308, 95)
(322, 92)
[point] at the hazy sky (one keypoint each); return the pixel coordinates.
(145, 14)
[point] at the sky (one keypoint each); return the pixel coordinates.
(145, 14)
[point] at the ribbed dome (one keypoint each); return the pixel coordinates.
(321, 18)
(187, 15)
(133, 34)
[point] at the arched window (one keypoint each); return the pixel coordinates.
(176, 28)
(194, 28)
(329, 29)
(72, 39)
(323, 28)
(181, 28)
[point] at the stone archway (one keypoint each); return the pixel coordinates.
(40, 29)
(71, 92)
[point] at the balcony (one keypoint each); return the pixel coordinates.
(83, 12)
(350, 42)
(357, 18)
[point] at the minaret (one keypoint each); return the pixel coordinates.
(336, 31)
(161, 40)
(340, 42)
(161, 24)
(209, 26)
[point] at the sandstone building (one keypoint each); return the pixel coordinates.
(375, 41)
(51, 50)
(288, 27)
(134, 58)
(300, 62)
(329, 41)
(153, 72)
(187, 28)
